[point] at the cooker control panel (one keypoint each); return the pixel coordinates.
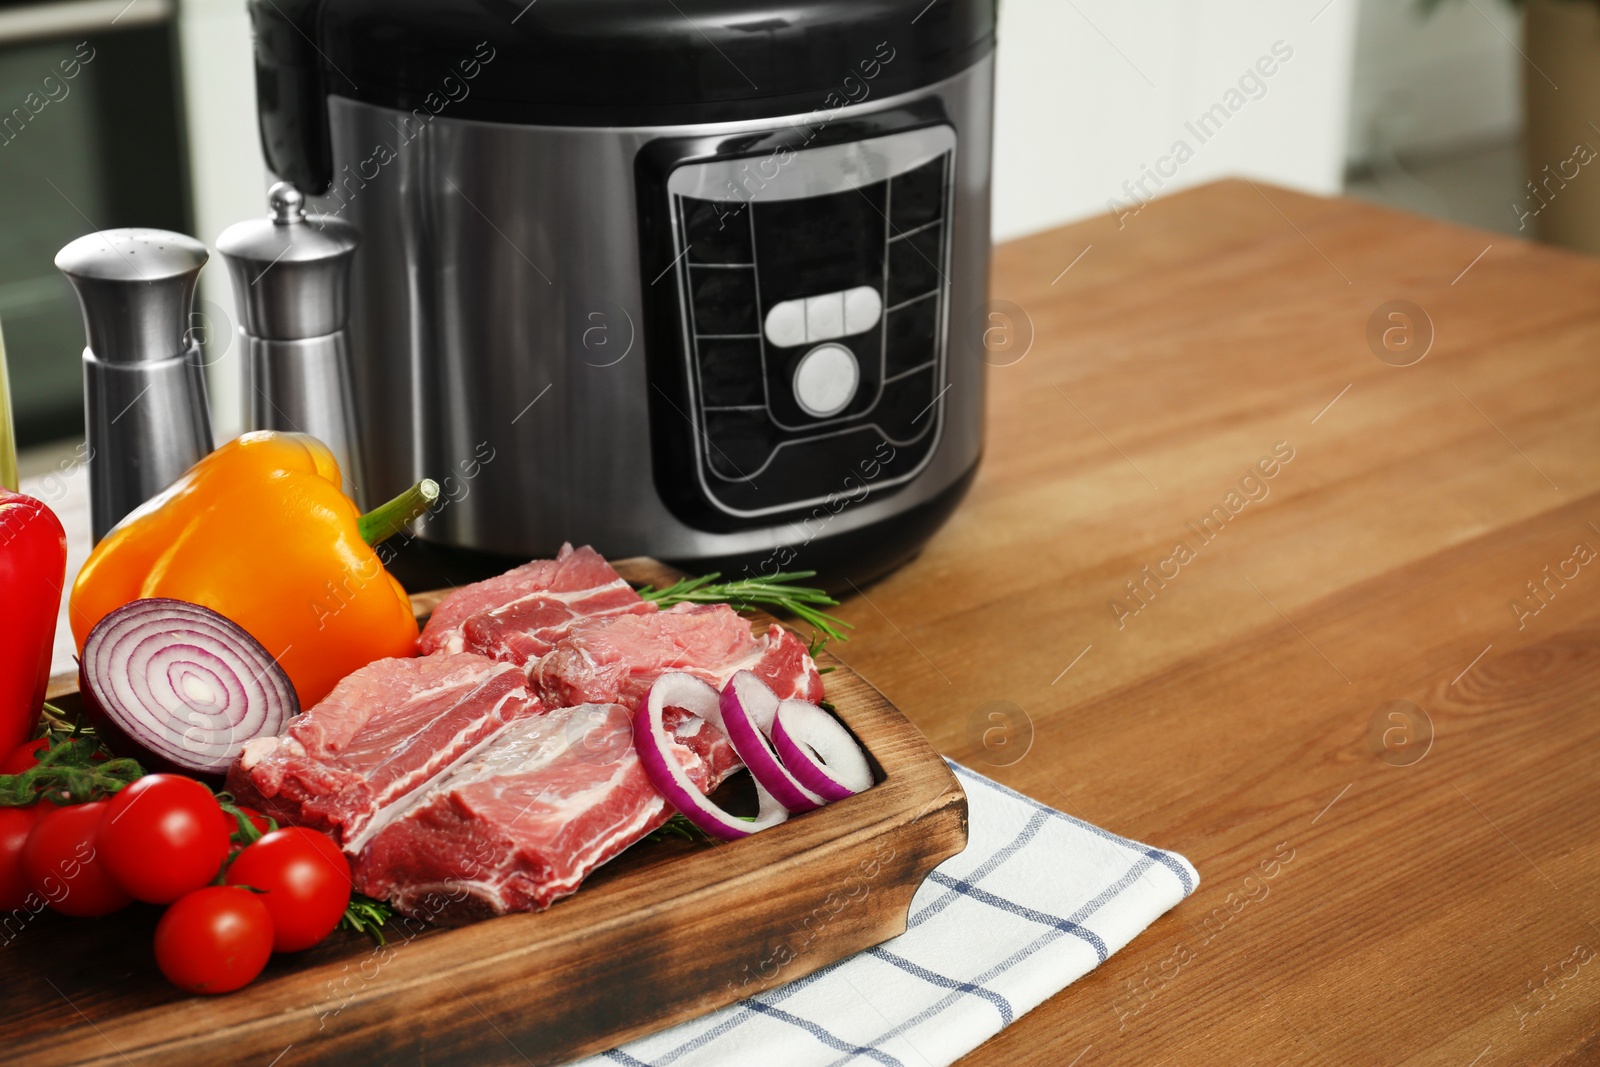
(811, 307)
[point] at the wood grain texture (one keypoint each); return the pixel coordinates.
(668, 931)
(1434, 908)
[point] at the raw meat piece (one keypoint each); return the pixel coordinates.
(617, 659)
(786, 666)
(522, 613)
(535, 812)
(389, 728)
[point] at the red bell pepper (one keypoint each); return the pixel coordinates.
(33, 568)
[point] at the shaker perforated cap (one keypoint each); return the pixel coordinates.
(136, 287)
(290, 270)
(132, 255)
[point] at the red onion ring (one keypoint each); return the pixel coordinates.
(654, 744)
(748, 706)
(819, 751)
(185, 685)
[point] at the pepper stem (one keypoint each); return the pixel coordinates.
(388, 519)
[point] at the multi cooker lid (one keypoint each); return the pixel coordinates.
(594, 62)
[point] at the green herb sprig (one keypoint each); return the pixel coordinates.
(802, 601)
(367, 916)
(74, 769)
(819, 641)
(676, 827)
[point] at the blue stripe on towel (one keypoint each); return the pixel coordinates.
(822, 1035)
(1002, 1005)
(987, 867)
(943, 1004)
(740, 1014)
(994, 901)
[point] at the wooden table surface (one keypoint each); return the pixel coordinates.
(1333, 681)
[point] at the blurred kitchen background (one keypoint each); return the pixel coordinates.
(1431, 108)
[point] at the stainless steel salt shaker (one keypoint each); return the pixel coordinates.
(290, 277)
(143, 376)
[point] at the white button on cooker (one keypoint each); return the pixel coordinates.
(786, 324)
(863, 307)
(824, 316)
(825, 380)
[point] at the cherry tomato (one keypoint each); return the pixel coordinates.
(23, 757)
(163, 836)
(305, 884)
(63, 865)
(214, 940)
(15, 823)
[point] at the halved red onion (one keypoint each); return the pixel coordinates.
(185, 685)
(685, 691)
(748, 705)
(819, 750)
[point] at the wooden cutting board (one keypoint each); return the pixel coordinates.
(667, 932)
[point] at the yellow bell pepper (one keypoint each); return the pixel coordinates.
(260, 532)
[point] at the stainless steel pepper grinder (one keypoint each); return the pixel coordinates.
(143, 376)
(291, 282)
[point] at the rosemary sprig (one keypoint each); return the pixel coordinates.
(802, 601)
(819, 641)
(677, 826)
(365, 915)
(56, 723)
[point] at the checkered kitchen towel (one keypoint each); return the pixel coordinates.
(1037, 900)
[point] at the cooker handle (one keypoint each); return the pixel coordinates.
(291, 95)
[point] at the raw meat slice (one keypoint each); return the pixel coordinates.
(522, 613)
(535, 812)
(384, 731)
(615, 660)
(786, 666)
